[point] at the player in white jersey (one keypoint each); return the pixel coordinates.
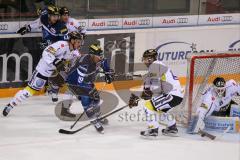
(162, 92)
(54, 57)
(71, 23)
(72, 26)
(216, 101)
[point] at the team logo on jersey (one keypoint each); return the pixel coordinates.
(51, 50)
(52, 30)
(39, 83)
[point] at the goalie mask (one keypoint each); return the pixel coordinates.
(219, 85)
(149, 56)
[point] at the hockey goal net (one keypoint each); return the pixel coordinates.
(203, 68)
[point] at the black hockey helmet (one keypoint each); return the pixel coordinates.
(95, 49)
(219, 84)
(75, 35)
(53, 10)
(149, 56)
(64, 11)
(150, 53)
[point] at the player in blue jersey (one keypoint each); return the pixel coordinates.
(81, 82)
(53, 29)
(72, 25)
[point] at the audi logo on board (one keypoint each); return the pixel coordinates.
(112, 23)
(82, 24)
(144, 22)
(3, 27)
(182, 20)
(227, 18)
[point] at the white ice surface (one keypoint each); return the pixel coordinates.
(31, 133)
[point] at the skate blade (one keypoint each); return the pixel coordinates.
(101, 132)
(149, 137)
(170, 134)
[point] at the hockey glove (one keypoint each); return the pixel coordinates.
(24, 30)
(57, 80)
(146, 94)
(109, 76)
(59, 64)
(133, 101)
(94, 94)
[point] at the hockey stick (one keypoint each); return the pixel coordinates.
(71, 127)
(63, 131)
(204, 133)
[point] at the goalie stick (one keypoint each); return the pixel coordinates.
(204, 133)
(213, 137)
(63, 131)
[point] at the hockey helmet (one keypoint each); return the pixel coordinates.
(53, 10)
(75, 35)
(149, 56)
(64, 11)
(219, 85)
(95, 49)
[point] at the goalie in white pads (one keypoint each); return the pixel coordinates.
(54, 57)
(216, 101)
(162, 92)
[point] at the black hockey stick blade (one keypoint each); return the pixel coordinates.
(204, 133)
(63, 131)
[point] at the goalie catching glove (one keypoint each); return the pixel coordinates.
(133, 101)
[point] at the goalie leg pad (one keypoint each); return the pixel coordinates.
(195, 125)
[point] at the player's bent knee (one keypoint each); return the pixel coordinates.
(30, 90)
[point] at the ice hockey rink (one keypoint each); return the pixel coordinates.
(31, 133)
